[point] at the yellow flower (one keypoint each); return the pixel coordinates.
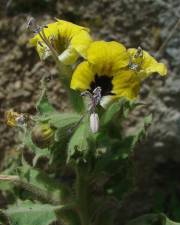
(14, 119)
(117, 71)
(68, 39)
(141, 65)
(104, 61)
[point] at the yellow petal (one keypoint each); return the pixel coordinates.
(149, 64)
(68, 29)
(107, 57)
(126, 84)
(74, 36)
(81, 42)
(69, 56)
(82, 77)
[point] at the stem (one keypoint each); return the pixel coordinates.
(171, 33)
(82, 195)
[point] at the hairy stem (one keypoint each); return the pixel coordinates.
(82, 196)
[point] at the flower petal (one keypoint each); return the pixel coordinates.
(107, 57)
(107, 100)
(82, 77)
(68, 30)
(126, 84)
(81, 42)
(69, 56)
(149, 64)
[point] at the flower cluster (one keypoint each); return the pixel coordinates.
(109, 65)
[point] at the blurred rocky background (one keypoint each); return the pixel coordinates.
(145, 23)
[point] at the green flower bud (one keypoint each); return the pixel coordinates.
(42, 135)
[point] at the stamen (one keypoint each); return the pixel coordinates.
(33, 26)
(133, 66)
(97, 95)
(95, 98)
(136, 60)
(40, 43)
(139, 53)
(21, 120)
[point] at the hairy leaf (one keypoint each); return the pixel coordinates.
(123, 105)
(43, 106)
(60, 120)
(109, 113)
(141, 133)
(48, 186)
(76, 101)
(28, 213)
(79, 140)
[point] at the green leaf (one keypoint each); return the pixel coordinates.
(64, 124)
(148, 120)
(5, 186)
(60, 120)
(79, 140)
(127, 106)
(28, 213)
(109, 113)
(152, 219)
(123, 105)
(170, 222)
(43, 106)
(42, 181)
(76, 101)
(141, 133)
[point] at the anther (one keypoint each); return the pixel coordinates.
(139, 52)
(33, 26)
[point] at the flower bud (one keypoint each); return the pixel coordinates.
(42, 135)
(94, 122)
